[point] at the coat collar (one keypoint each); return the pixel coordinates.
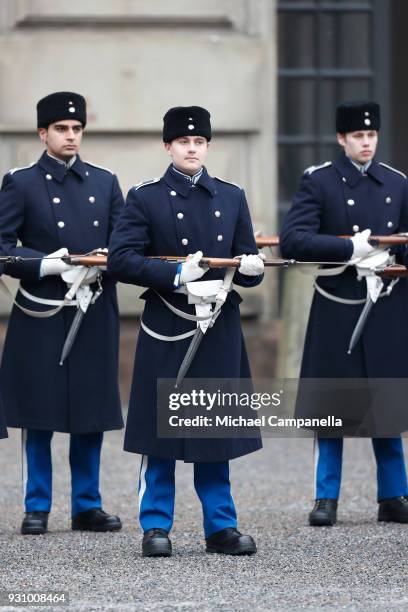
(348, 171)
(178, 183)
(376, 171)
(58, 171)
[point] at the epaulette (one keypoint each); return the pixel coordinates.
(144, 183)
(228, 182)
(99, 167)
(312, 169)
(13, 170)
(393, 169)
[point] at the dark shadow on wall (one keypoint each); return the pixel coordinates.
(399, 79)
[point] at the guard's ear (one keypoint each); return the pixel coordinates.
(341, 139)
(167, 146)
(43, 133)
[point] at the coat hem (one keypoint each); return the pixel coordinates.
(191, 459)
(62, 429)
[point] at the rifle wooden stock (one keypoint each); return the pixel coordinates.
(86, 260)
(393, 239)
(266, 241)
(393, 272)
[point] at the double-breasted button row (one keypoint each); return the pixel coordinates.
(49, 177)
(180, 215)
(56, 200)
(184, 241)
(61, 224)
(351, 202)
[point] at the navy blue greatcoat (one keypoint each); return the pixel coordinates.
(170, 216)
(47, 207)
(336, 199)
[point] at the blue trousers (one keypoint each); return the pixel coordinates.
(84, 460)
(391, 472)
(157, 493)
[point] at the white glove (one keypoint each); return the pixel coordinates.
(52, 264)
(361, 247)
(191, 269)
(252, 265)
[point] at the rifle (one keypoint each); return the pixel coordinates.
(375, 241)
(395, 271)
(210, 262)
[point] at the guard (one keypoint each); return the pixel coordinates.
(56, 206)
(187, 213)
(352, 196)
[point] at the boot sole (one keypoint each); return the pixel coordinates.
(96, 529)
(158, 549)
(322, 522)
(386, 518)
(243, 550)
(33, 531)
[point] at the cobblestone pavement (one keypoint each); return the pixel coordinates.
(356, 565)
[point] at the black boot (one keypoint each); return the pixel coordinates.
(34, 523)
(324, 513)
(394, 509)
(229, 541)
(96, 519)
(156, 543)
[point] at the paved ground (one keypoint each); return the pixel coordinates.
(357, 565)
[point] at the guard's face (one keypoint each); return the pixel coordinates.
(359, 146)
(188, 153)
(62, 138)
